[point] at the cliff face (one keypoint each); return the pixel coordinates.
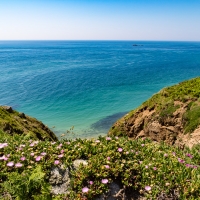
(172, 116)
(13, 122)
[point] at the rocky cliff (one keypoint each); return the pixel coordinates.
(172, 115)
(13, 122)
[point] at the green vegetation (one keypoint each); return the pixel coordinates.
(150, 168)
(13, 122)
(192, 118)
(186, 93)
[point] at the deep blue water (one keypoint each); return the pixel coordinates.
(89, 84)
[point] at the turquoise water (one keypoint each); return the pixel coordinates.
(89, 84)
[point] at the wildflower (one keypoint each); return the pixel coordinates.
(146, 166)
(154, 168)
(116, 137)
(43, 153)
(108, 158)
(2, 145)
(173, 153)
(53, 143)
(67, 142)
(127, 152)
(108, 138)
(32, 145)
(165, 154)
(107, 166)
(142, 145)
(91, 182)
(22, 158)
(22, 145)
(104, 181)
(38, 158)
(18, 165)
(140, 162)
(56, 162)
(62, 151)
(120, 149)
(60, 156)
(180, 160)
(10, 164)
(32, 154)
(85, 190)
(3, 158)
(189, 155)
(188, 165)
(97, 141)
(147, 188)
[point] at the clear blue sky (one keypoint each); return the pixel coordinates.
(100, 20)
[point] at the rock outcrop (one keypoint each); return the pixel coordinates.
(13, 122)
(172, 116)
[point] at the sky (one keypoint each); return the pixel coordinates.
(170, 20)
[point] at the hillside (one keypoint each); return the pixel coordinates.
(172, 115)
(13, 122)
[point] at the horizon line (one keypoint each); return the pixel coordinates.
(98, 40)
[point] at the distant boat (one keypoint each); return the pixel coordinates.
(136, 45)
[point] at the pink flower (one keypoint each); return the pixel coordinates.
(22, 158)
(3, 158)
(146, 166)
(180, 160)
(2, 145)
(142, 145)
(108, 158)
(104, 181)
(32, 154)
(18, 165)
(60, 156)
(97, 141)
(85, 190)
(38, 158)
(108, 138)
(127, 152)
(165, 154)
(189, 155)
(56, 162)
(107, 166)
(116, 137)
(62, 151)
(43, 153)
(67, 142)
(10, 164)
(120, 149)
(91, 182)
(154, 168)
(147, 188)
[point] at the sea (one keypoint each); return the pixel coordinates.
(80, 88)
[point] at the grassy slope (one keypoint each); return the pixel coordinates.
(163, 103)
(13, 122)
